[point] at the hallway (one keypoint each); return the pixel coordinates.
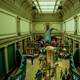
(27, 27)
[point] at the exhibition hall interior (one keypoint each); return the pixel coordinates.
(39, 39)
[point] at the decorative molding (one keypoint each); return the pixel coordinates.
(72, 11)
(7, 34)
(11, 40)
(8, 6)
(7, 13)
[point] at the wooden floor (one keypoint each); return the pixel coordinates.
(63, 64)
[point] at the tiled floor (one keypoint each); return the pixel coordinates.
(63, 64)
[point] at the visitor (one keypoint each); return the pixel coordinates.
(32, 58)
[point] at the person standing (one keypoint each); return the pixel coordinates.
(32, 58)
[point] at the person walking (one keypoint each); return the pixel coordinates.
(32, 58)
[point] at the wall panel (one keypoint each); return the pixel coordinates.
(79, 26)
(7, 25)
(24, 27)
(70, 26)
(40, 27)
(56, 26)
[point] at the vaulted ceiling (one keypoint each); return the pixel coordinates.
(47, 6)
(35, 7)
(55, 6)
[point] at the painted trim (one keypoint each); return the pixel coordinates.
(71, 18)
(23, 19)
(8, 34)
(12, 40)
(8, 13)
(47, 22)
(23, 32)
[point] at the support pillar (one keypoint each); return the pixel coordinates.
(73, 46)
(76, 25)
(18, 26)
(69, 45)
(6, 58)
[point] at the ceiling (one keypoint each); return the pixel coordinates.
(47, 6)
(60, 8)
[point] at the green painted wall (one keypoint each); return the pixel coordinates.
(72, 11)
(70, 26)
(40, 27)
(79, 25)
(24, 26)
(7, 25)
(57, 26)
(18, 7)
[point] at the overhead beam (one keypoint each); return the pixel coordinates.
(39, 5)
(71, 2)
(55, 5)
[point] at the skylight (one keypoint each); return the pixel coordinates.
(47, 6)
(46, 3)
